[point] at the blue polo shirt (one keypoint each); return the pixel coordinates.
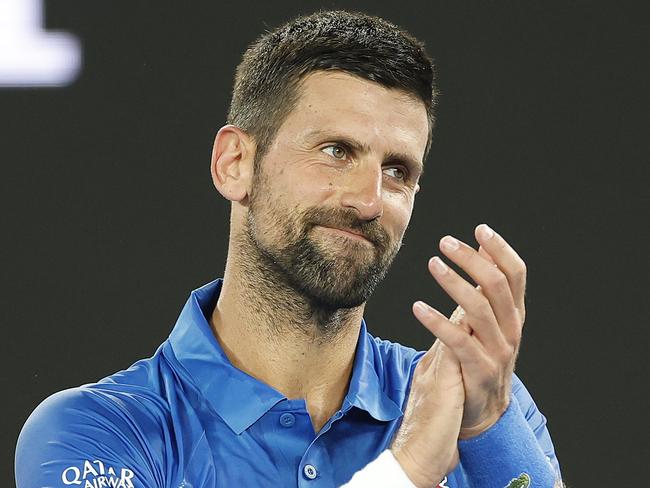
(186, 417)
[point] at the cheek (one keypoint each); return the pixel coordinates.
(303, 180)
(310, 191)
(398, 209)
(401, 198)
(318, 181)
(281, 213)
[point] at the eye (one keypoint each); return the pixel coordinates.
(398, 173)
(336, 151)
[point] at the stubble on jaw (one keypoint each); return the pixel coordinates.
(313, 288)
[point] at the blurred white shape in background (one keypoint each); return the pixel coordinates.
(30, 56)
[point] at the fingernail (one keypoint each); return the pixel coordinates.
(485, 231)
(439, 267)
(449, 244)
(421, 307)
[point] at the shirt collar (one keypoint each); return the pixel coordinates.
(239, 398)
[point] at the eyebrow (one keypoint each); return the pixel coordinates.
(364, 148)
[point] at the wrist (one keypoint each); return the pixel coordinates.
(475, 430)
(421, 477)
(483, 425)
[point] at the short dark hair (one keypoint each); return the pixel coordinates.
(267, 79)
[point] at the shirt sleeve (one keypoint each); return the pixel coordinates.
(508, 454)
(383, 472)
(537, 422)
(83, 437)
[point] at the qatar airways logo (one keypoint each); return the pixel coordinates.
(30, 56)
(96, 474)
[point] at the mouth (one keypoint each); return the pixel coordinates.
(348, 233)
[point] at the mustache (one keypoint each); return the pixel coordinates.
(347, 219)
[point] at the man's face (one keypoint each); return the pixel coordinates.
(349, 157)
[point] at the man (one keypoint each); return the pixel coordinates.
(270, 377)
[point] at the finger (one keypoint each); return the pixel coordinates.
(521, 307)
(508, 261)
(481, 319)
(493, 282)
(465, 347)
(458, 317)
(484, 254)
(441, 357)
(428, 356)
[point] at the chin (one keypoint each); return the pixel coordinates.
(337, 292)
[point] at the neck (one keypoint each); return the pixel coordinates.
(272, 332)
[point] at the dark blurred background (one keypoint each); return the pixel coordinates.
(110, 219)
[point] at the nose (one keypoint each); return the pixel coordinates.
(363, 191)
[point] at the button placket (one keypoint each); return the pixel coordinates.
(287, 420)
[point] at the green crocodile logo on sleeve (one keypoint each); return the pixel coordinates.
(523, 481)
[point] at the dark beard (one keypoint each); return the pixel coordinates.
(327, 282)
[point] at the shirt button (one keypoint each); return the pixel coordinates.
(310, 471)
(287, 419)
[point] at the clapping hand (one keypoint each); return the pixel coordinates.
(462, 385)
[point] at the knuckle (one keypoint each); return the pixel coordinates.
(505, 354)
(497, 281)
(467, 257)
(484, 309)
(521, 269)
(516, 336)
(501, 242)
(471, 256)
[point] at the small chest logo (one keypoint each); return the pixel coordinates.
(95, 474)
(523, 481)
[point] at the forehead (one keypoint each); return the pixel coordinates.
(378, 116)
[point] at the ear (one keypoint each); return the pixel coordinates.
(232, 162)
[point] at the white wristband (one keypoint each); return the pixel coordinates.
(383, 472)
